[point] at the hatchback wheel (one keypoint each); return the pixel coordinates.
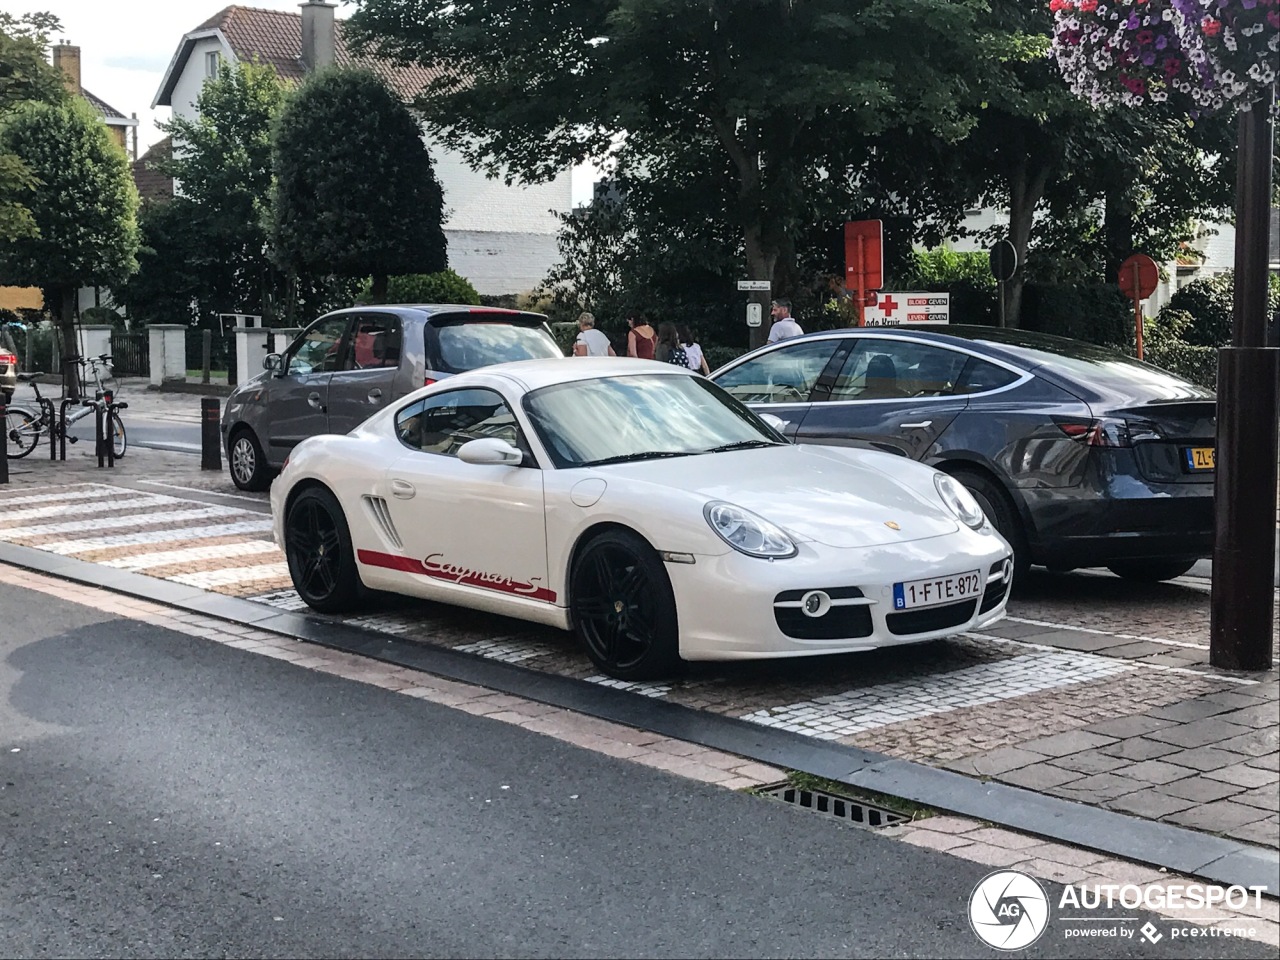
(1150, 571)
(249, 470)
(623, 607)
(318, 548)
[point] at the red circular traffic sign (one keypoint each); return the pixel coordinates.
(1138, 277)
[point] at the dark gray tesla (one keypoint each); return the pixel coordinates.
(347, 365)
(1080, 456)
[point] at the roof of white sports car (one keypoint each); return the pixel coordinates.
(532, 374)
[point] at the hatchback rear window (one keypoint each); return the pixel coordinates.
(480, 342)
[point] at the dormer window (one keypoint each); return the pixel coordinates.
(212, 60)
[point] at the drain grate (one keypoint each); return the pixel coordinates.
(840, 808)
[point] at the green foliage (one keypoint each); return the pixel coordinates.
(356, 192)
(205, 250)
(85, 207)
(1209, 302)
(444, 286)
(1097, 313)
(102, 315)
(25, 76)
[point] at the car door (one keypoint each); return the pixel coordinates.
(367, 380)
(474, 528)
(780, 381)
(892, 394)
(298, 401)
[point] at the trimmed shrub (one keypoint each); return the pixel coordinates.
(446, 286)
(1094, 312)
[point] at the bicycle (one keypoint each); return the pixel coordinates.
(25, 428)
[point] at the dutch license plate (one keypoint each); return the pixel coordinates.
(935, 590)
(1198, 458)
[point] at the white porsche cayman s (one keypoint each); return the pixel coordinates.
(640, 506)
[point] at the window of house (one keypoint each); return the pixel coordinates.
(212, 60)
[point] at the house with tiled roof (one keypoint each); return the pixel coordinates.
(501, 238)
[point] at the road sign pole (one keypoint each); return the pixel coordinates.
(862, 272)
(1137, 311)
(1000, 298)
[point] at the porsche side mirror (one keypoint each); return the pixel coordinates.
(490, 450)
(776, 422)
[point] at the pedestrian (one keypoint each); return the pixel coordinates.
(669, 349)
(692, 350)
(591, 342)
(784, 326)
(641, 338)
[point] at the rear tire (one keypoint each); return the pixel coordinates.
(247, 463)
(119, 439)
(317, 541)
(21, 431)
(1003, 515)
(1150, 571)
(623, 609)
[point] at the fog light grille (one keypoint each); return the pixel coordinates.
(839, 808)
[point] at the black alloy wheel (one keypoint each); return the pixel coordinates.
(318, 548)
(249, 470)
(623, 608)
(1150, 571)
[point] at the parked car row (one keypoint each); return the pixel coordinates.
(835, 491)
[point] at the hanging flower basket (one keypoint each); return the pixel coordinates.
(1203, 55)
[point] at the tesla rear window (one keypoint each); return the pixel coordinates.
(1104, 370)
(465, 346)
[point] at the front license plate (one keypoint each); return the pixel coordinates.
(1198, 458)
(935, 590)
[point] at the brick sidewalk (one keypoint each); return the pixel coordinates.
(1093, 689)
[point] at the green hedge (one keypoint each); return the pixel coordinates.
(443, 287)
(1097, 313)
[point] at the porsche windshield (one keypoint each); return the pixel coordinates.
(619, 419)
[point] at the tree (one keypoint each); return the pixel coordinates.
(206, 250)
(25, 76)
(85, 208)
(531, 87)
(362, 203)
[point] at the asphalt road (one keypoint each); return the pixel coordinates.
(162, 795)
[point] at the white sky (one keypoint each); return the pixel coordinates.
(126, 45)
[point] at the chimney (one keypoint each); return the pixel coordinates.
(67, 59)
(319, 44)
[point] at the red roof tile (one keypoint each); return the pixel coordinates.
(151, 183)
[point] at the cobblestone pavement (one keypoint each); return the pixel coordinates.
(1092, 689)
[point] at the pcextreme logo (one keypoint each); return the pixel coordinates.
(1008, 910)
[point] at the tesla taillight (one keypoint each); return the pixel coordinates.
(1108, 431)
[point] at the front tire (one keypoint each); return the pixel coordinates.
(623, 608)
(1150, 571)
(1003, 515)
(119, 439)
(322, 564)
(248, 464)
(21, 431)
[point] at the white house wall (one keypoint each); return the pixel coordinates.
(191, 81)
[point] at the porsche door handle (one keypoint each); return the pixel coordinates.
(314, 400)
(916, 426)
(402, 489)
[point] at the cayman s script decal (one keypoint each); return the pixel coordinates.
(436, 567)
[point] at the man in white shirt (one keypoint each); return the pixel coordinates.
(783, 326)
(591, 342)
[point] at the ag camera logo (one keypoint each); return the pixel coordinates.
(1008, 910)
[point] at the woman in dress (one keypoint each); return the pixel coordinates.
(693, 350)
(641, 338)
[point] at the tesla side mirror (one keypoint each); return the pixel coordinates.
(273, 362)
(490, 450)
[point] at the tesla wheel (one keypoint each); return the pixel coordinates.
(21, 431)
(1001, 512)
(623, 608)
(318, 548)
(248, 465)
(1150, 571)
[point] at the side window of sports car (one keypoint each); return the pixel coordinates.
(444, 422)
(784, 375)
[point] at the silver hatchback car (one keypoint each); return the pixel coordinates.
(350, 363)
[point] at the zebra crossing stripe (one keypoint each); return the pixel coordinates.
(145, 561)
(136, 502)
(96, 493)
(127, 520)
(66, 548)
(205, 579)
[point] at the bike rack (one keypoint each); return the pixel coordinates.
(60, 426)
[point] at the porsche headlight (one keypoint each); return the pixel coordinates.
(959, 501)
(747, 533)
